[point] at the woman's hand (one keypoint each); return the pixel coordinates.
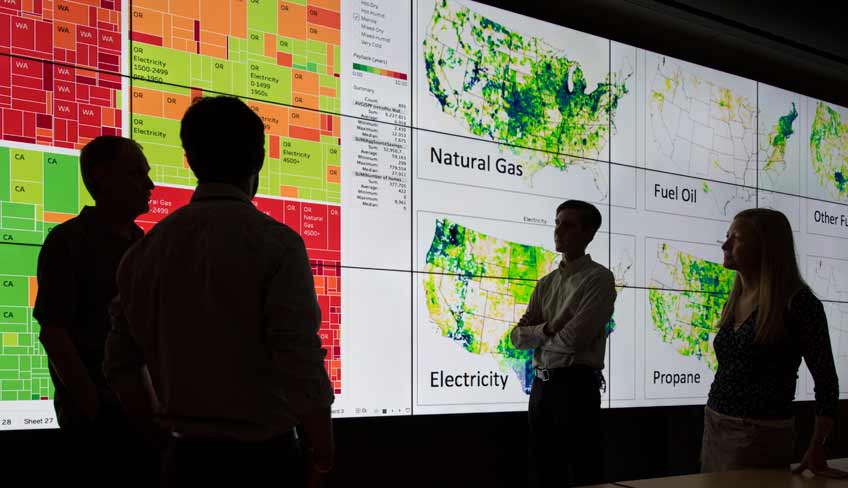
(816, 461)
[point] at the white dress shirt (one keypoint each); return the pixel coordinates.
(586, 290)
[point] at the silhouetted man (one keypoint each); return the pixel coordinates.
(218, 304)
(76, 282)
(565, 324)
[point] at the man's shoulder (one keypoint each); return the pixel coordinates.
(67, 233)
(595, 267)
(545, 280)
(278, 232)
(245, 220)
(598, 271)
(265, 226)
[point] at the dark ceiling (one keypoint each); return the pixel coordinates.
(820, 26)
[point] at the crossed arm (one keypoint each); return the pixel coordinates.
(573, 324)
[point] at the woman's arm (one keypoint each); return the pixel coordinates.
(815, 459)
(814, 340)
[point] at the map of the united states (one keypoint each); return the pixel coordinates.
(774, 143)
(477, 287)
(516, 89)
(701, 128)
(686, 298)
(829, 280)
(829, 148)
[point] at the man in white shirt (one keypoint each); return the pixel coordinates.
(565, 324)
(215, 328)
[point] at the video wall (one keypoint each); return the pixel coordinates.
(421, 149)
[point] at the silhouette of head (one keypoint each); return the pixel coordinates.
(223, 139)
(576, 224)
(759, 244)
(115, 173)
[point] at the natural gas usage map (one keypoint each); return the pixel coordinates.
(545, 94)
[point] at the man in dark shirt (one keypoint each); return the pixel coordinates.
(76, 282)
(216, 328)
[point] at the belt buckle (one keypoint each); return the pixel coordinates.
(543, 374)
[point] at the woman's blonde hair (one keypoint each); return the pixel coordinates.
(780, 277)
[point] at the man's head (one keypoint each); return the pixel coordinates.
(576, 225)
(223, 139)
(114, 171)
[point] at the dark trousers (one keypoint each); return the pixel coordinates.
(106, 452)
(190, 462)
(565, 429)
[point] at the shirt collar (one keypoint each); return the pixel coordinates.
(92, 223)
(571, 267)
(219, 191)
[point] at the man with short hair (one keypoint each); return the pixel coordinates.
(76, 282)
(565, 324)
(218, 309)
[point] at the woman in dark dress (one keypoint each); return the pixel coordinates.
(770, 321)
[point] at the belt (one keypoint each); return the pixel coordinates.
(288, 436)
(547, 374)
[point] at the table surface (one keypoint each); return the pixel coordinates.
(766, 478)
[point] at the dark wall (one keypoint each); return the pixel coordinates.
(489, 449)
(472, 450)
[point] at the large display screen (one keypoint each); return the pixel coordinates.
(421, 149)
